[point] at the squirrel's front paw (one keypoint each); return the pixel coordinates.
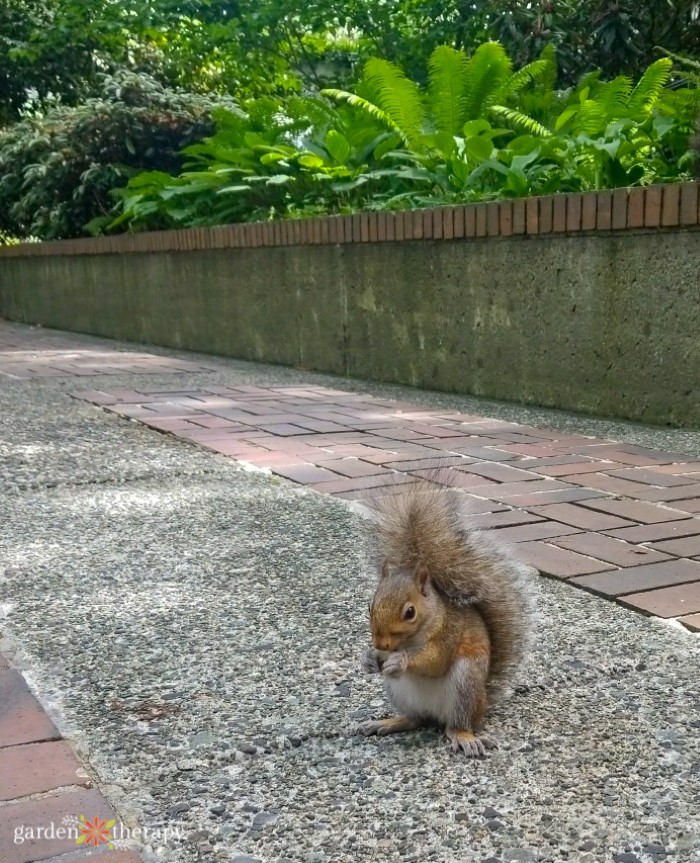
(468, 743)
(370, 661)
(395, 664)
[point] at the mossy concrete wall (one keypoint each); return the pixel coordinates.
(606, 324)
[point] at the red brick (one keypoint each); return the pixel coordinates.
(500, 472)
(438, 229)
(670, 211)
(688, 546)
(359, 483)
(34, 768)
(508, 518)
(417, 230)
(589, 211)
(601, 481)
(505, 218)
(22, 719)
(611, 550)
(470, 220)
(356, 228)
(619, 209)
(562, 495)
(684, 469)
(648, 577)
(604, 217)
(689, 204)
(352, 467)
(514, 490)
(645, 513)
(400, 227)
(34, 814)
(650, 477)
(481, 220)
(678, 601)
(458, 219)
(636, 206)
(305, 474)
(546, 214)
(578, 469)
(535, 531)
(578, 516)
(455, 479)
(652, 207)
(688, 505)
(558, 562)
(364, 227)
(574, 207)
(671, 495)
(655, 532)
(373, 224)
(532, 216)
(519, 216)
(448, 225)
(492, 219)
(692, 622)
(390, 226)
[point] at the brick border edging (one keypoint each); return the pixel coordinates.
(673, 205)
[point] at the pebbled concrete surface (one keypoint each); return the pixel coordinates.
(194, 629)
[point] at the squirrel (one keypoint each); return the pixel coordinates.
(451, 619)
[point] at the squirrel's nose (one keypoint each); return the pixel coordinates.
(383, 643)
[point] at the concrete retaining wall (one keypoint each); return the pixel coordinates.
(603, 322)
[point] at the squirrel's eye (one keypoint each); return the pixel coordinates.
(409, 613)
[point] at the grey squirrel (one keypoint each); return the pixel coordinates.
(451, 618)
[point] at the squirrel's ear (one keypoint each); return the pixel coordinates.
(422, 576)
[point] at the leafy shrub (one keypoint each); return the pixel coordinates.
(478, 131)
(57, 168)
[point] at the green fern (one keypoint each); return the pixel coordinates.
(530, 74)
(446, 87)
(647, 92)
(487, 70)
(367, 107)
(521, 121)
(397, 96)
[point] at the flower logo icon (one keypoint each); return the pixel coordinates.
(95, 832)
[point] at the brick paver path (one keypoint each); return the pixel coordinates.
(619, 520)
(43, 787)
(31, 353)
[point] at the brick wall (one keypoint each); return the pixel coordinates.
(654, 207)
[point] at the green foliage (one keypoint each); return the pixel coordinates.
(477, 131)
(58, 167)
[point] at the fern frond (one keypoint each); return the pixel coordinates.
(530, 74)
(320, 113)
(447, 81)
(487, 71)
(647, 92)
(548, 81)
(366, 107)
(521, 122)
(591, 118)
(397, 96)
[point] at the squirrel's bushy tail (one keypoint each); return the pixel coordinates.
(427, 524)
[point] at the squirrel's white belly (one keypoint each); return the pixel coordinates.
(423, 697)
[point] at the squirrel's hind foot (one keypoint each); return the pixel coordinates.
(468, 743)
(382, 727)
